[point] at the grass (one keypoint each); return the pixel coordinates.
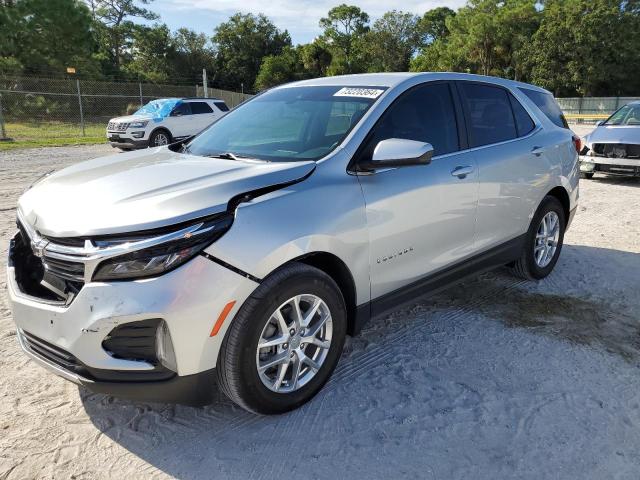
(51, 134)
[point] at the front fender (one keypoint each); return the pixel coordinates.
(324, 213)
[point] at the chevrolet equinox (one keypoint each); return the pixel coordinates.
(243, 256)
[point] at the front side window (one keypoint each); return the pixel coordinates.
(200, 107)
(181, 109)
(627, 115)
(488, 112)
(547, 105)
(288, 124)
(425, 114)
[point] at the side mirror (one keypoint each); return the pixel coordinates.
(399, 152)
(599, 122)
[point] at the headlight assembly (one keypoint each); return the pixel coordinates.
(140, 124)
(167, 251)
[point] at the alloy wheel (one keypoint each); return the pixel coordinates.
(294, 343)
(547, 238)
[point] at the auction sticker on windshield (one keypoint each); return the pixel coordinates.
(358, 92)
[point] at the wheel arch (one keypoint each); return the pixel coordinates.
(563, 197)
(333, 266)
(163, 128)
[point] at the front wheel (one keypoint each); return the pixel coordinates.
(543, 241)
(285, 341)
(159, 138)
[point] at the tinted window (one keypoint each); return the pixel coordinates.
(424, 113)
(181, 109)
(524, 124)
(288, 123)
(488, 113)
(547, 104)
(222, 106)
(200, 107)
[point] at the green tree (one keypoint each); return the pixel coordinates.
(282, 68)
(192, 53)
(343, 27)
(486, 36)
(241, 43)
(391, 42)
(316, 58)
(46, 36)
(433, 24)
(116, 29)
(153, 54)
(588, 47)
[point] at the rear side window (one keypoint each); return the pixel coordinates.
(489, 115)
(547, 105)
(524, 124)
(425, 114)
(222, 106)
(200, 107)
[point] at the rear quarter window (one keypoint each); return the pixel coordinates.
(222, 106)
(547, 105)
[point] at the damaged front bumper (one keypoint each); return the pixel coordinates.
(76, 339)
(610, 166)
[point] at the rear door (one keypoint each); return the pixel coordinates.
(420, 218)
(203, 115)
(512, 166)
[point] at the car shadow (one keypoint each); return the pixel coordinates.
(351, 417)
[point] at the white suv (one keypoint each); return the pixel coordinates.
(164, 121)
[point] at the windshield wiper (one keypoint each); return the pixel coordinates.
(226, 156)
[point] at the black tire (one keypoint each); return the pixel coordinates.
(155, 140)
(587, 175)
(526, 266)
(237, 371)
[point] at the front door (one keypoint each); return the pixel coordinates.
(420, 218)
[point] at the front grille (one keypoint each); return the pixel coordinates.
(617, 150)
(64, 269)
(117, 127)
(51, 353)
(43, 276)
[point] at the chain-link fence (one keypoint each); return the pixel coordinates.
(41, 109)
(591, 109)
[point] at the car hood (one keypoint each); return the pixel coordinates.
(620, 134)
(132, 118)
(143, 190)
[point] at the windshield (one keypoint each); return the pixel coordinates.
(158, 108)
(288, 124)
(627, 115)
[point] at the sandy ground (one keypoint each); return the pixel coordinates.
(494, 378)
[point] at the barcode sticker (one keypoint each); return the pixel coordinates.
(358, 92)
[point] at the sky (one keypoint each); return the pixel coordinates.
(299, 17)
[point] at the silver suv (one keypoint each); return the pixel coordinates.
(244, 256)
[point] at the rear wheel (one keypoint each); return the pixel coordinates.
(159, 138)
(543, 241)
(285, 341)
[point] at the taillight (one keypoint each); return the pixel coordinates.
(577, 143)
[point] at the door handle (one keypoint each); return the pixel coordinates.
(462, 171)
(537, 151)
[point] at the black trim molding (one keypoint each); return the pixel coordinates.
(228, 266)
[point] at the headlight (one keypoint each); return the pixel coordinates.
(138, 124)
(169, 250)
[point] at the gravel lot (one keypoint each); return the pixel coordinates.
(494, 378)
